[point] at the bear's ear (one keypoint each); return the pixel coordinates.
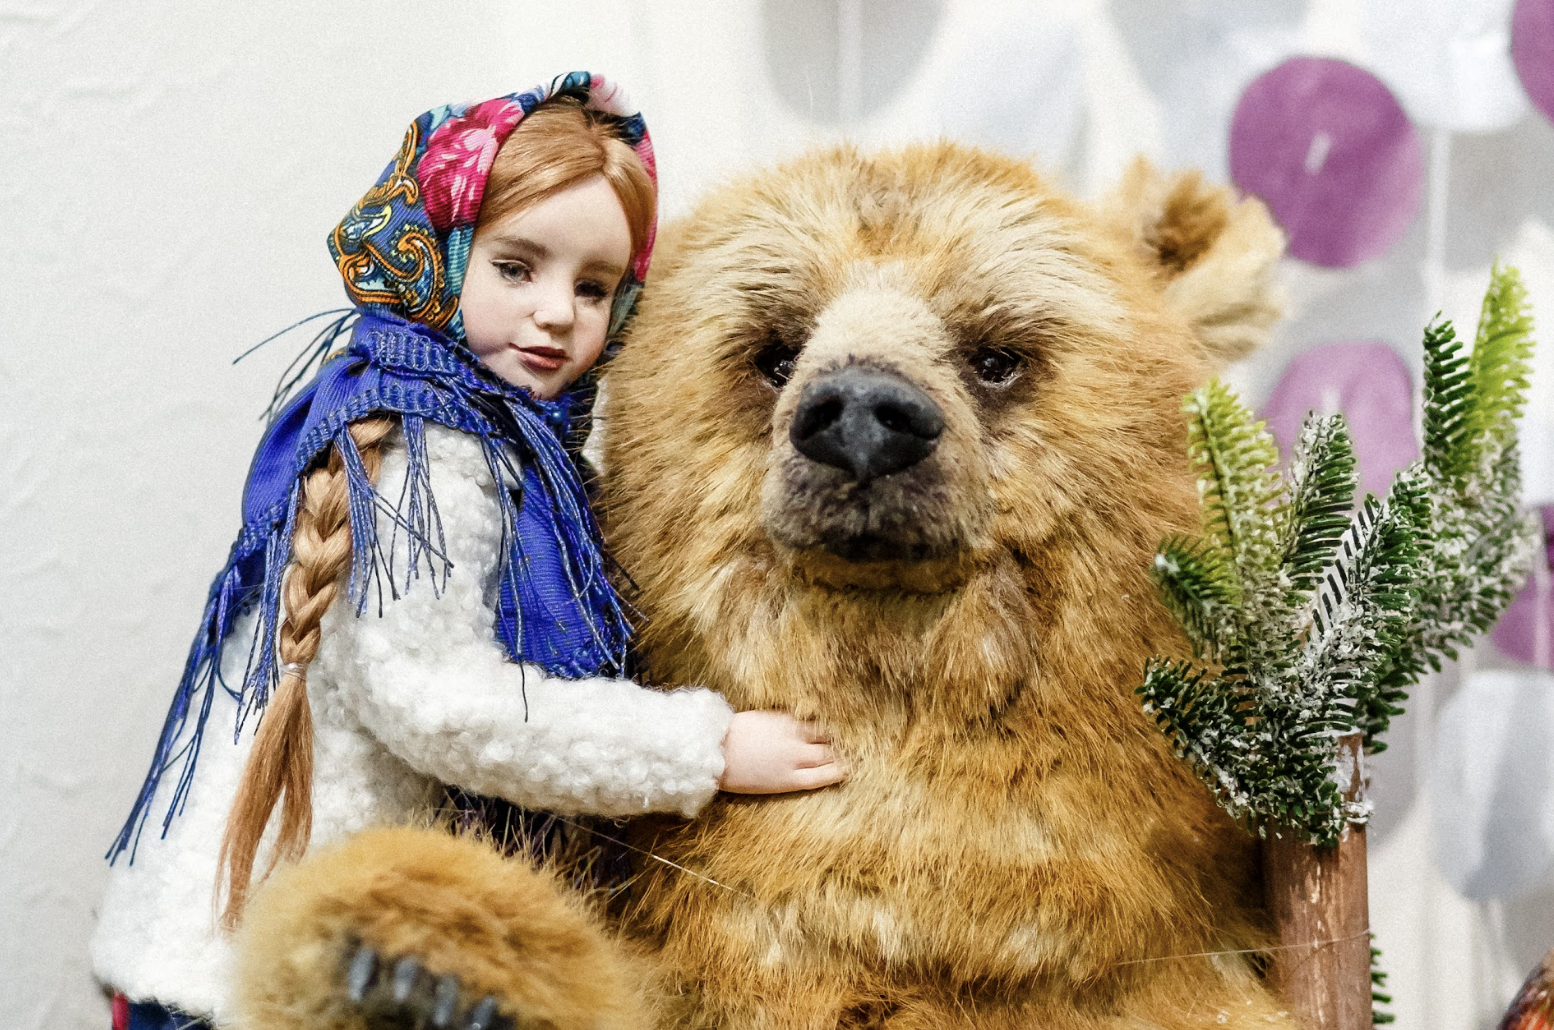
(1215, 258)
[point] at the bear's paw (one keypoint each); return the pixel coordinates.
(405, 927)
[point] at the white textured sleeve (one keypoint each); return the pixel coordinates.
(431, 683)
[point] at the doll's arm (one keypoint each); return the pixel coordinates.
(430, 682)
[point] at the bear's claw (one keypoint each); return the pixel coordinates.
(402, 995)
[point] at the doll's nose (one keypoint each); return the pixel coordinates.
(553, 309)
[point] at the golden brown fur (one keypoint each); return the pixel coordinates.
(1016, 845)
(1214, 259)
(455, 904)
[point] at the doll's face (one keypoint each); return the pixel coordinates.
(537, 294)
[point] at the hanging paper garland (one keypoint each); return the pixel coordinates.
(1196, 58)
(1492, 785)
(1329, 149)
(1448, 61)
(1366, 381)
(1526, 631)
(1532, 51)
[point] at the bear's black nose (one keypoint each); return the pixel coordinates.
(866, 422)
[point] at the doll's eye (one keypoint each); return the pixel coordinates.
(512, 271)
(994, 366)
(775, 362)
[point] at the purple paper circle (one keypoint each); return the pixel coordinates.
(1518, 632)
(1366, 381)
(1329, 149)
(1532, 51)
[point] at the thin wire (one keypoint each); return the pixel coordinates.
(656, 858)
(283, 332)
(1130, 962)
(1249, 951)
(849, 63)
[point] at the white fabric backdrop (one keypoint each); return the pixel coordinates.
(172, 169)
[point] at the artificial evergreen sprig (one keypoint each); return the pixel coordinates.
(1309, 616)
(1379, 995)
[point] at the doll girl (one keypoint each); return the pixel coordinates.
(418, 598)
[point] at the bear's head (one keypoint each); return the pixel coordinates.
(916, 419)
(891, 446)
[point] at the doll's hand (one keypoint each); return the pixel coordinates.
(772, 753)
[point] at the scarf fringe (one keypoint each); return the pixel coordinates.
(423, 524)
(261, 674)
(367, 557)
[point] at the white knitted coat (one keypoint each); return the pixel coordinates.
(403, 703)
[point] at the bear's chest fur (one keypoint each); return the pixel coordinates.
(1032, 835)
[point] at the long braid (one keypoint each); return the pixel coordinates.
(280, 767)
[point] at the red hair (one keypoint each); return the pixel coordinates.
(559, 145)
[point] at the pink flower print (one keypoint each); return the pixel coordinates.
(458, 158)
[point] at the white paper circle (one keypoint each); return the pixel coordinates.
(1448, 61)
(1003, 74)
(1492, 785)
(1197, 59)
(1532, 252)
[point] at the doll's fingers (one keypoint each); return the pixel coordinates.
(818, 776)
(811, 733)
(812, 756)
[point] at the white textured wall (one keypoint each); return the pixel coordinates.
(170, 173)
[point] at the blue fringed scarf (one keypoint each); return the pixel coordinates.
(557, 607)
(402, 252)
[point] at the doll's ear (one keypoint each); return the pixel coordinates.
(1214, 257)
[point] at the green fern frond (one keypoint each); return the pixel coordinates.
(1239, 485)
(1267, 760)
(1379, 995)
(1448, 400)
(1200, 588)
(1402, 582)
(1322, 484)
(1365, 613)
(1187, 705)
(1316, 621)
(1500, 363)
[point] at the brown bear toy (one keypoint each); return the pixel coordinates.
(891, 447)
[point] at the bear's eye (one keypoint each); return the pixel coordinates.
(775, 362)
(995, 366)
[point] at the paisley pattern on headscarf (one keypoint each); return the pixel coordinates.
(402, 251)
(404, 247)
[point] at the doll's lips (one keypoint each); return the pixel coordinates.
(542, 359)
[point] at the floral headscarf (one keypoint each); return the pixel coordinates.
(404, 247)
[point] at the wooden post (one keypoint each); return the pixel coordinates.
(1321, 916)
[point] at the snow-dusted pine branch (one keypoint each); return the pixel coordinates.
(1309, 616)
